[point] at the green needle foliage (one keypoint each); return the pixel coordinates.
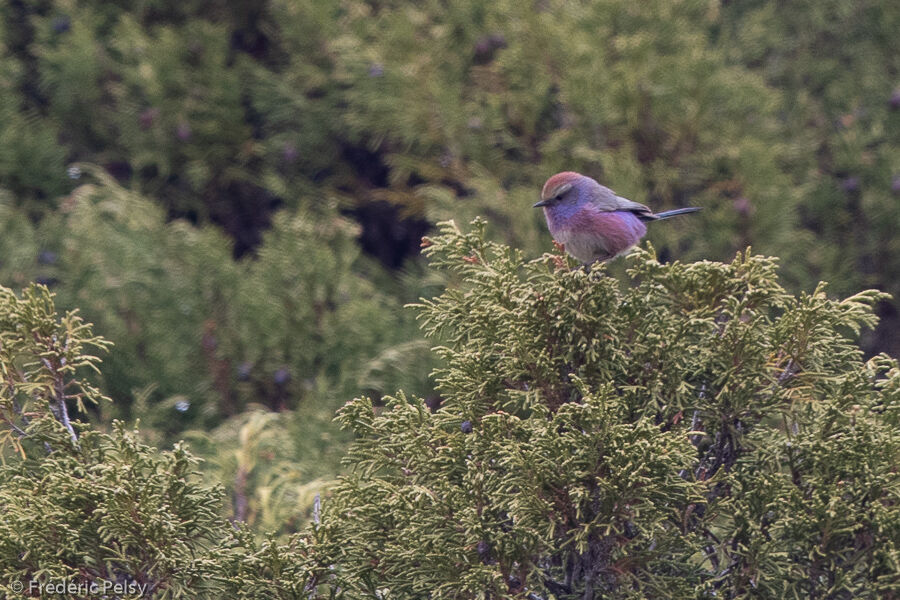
(39, 356)
(697, 432)
(779, 118)
(691, 432)
(305, 320)
(88, 508)
(102, 508)
(114, 510)
(204, 342)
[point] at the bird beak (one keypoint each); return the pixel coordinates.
(541, 203)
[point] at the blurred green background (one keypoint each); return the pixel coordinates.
(235, 193)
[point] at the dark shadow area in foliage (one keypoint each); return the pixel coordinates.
(388, 235)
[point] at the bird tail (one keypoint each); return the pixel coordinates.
(674, 213)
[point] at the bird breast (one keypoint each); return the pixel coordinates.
(590, 234)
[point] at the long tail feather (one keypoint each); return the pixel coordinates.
(674, 213)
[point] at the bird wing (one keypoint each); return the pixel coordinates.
(637, 208)
(606, 200)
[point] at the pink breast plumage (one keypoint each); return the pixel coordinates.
(590, 234)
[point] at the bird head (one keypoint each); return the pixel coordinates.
(561, 188)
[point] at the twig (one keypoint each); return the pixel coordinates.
(61, 412)
(317, 510)
(63, 416)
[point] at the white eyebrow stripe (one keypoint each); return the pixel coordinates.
(563, 189)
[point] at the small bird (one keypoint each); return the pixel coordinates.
(591, 221)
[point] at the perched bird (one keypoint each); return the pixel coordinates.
(590, 221)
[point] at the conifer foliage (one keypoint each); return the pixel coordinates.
(692, 432)
(95, 510)
(698, 432)
(39, 356)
